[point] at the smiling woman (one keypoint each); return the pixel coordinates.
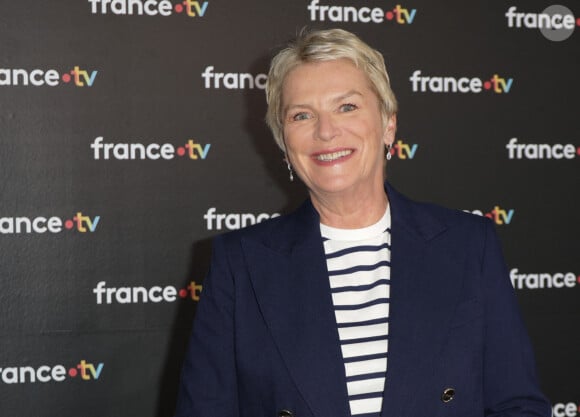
(334, 137)
(302, 314)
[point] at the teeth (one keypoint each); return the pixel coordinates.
(333, 156)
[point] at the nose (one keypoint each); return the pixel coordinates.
(326, 127)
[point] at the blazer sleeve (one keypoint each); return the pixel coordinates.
(510, 383)
(208, 386)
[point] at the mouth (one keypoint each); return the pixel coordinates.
(333, 156)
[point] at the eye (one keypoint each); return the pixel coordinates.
(301, 116)
(348, 107)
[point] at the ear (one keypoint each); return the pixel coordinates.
(390, 130)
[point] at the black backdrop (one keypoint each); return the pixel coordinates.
(103, 250)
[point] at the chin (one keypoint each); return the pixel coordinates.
(334, 186)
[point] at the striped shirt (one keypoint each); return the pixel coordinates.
(358, 262)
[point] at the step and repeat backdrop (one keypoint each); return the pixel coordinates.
(132, 131)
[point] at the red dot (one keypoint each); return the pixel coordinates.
(578, 279)
(69, 224)
(389, 15)
(578, 151)
(72, 372)
(178, 8)
(183, 293)
(487, 85)
(66, 78)
(181, 151)
(578, 24)
(392, 151)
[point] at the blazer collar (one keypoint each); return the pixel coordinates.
(407, 217)
(303, 224)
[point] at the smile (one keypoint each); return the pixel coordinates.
(329, 157)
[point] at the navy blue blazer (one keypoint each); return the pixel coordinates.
(265, 337)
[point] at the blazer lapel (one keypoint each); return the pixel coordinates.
(290, 280)
(420, 306)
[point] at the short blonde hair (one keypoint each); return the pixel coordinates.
(325, 45)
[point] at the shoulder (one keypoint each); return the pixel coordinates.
(451, 233)
(277, 232)
(256, 231)
(451, 216)
(429, 219)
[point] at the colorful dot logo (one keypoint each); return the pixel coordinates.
(82, 223)
(79, 77)
(193, 291)
(191, 8)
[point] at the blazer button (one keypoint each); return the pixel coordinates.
(448, 394)
(285, 413)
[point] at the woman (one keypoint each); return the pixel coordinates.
(317, 314)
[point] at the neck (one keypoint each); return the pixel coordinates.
(353, 211)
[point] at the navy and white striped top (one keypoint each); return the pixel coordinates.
(358, 262)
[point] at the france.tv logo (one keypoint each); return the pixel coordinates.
(402, 150)
(498, 215)
(77, 77)
(191, 150)
(363, 14)
(142, 295)
(165, 8)
(84, 371)
(556, 22)
(48, 224)
(448, 84)
(543, 280)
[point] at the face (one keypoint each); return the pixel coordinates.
(333, 129)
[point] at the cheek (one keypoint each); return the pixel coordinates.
(288, 137)
(295, 138)
(292, 150)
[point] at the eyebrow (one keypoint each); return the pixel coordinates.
(336, 99)
(347, 95)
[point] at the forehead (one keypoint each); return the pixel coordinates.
(324, 77)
